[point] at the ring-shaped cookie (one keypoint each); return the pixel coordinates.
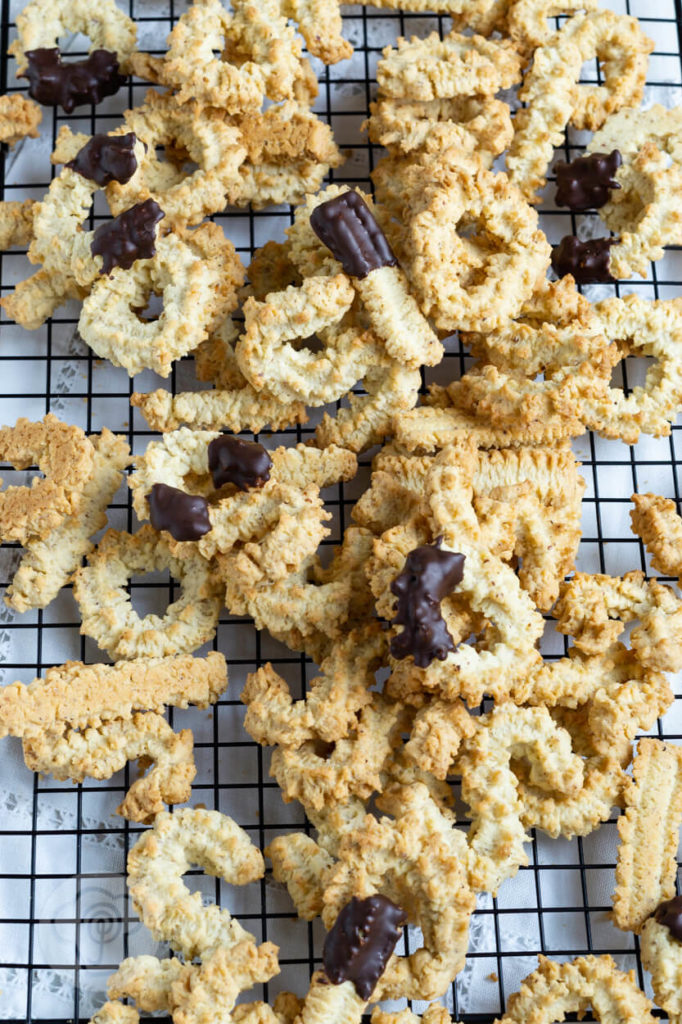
(42, 22)
(643, 212)
(471, 282)
(106, 609)
(214, 146)
(554, 98)
(267, 51)
(489, 588)
(555, 989)
(64, 454)
(641, 328)
(268, 358)
(313, 605)
(490, 786)
(109, 322)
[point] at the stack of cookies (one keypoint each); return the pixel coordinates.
(426, 622)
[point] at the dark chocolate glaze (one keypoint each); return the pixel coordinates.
(429, 575)
(185, 516)
(234, 461)
(130, 236)
(71, 85)
(588, 262)
(362, 939)
(586, 183)
(107, 158)
(670, 915)
(348, 229)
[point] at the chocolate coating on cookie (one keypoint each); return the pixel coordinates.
(107, 158)
(586, 183)
(429, 575)
(361, 941)
(130, 236)
(346, 226)
(185, 516)
(670, 915)
(71, 85)
(234, 461)
(588, 262)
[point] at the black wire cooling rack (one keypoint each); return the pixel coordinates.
(65, 919)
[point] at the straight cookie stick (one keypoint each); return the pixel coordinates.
(647, 865)
(80, 694)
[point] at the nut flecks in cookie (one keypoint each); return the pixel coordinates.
(71, 85)
(361, 941)
(588, 262)
(669, 914)
(429, 575)
(185, 516)
(130, 236)
(107, 158)
(586, 183)
(347, 227)
(235, 461)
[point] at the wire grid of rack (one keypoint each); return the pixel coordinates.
(65, 920)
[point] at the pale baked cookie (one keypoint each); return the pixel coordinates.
(194, 134)
(526, 20)
(336, 231)
(528, 503)
(233, 404)
(16, 223)
(457, 65)
(34, 300)
(594, 610)
(289, 152)
(79, 694)
(661, 954)
(313, 606)
(191, 992)
(488, 586)
(643, 212)
(59, 243)
(469, 279)
(476, 124)
(272, 509)
(556, 327)
(656, 521)
(418, 859)
(554, 98)
(268, 56)
(19, 118)
(646, 869)
(65, 455)
(163, 854)
(196, 272)
(48, 563)
(554, 989)
(42, 22)
(99, 751)
(610, 697)
(108, 615)
(489, 786)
